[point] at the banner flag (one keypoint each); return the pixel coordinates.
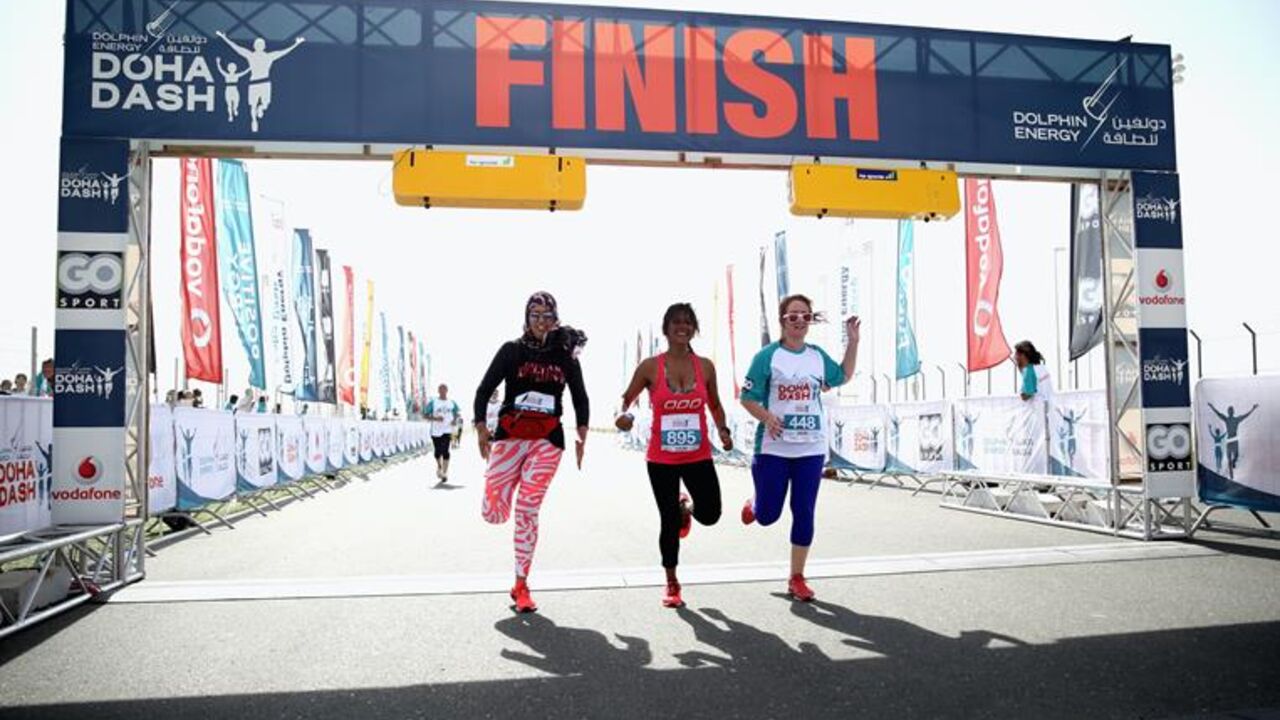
(347, 350)
(780, 261)
(201, 324)
(908, 356)
(733, 344)
(639, 351)
(401, 386)
(26, 464)
(1079, 445)
(413, 374)
(1237, 423)
(1001, 434)
(368, 346)
(1086, 328)
(386, 366)
(327, 374)
(304, 309)
(255, 451)
(984, 262)
(764, 312)
(238, 263)
(283, 331)
(162, 480)
(715, 324)
(424, 376)
(205, 462)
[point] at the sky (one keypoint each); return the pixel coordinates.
(648, 237)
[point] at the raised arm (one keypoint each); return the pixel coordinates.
(1215, 410)
(238, 50)
(285, 51)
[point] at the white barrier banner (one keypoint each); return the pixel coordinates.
(856, 437)
(317, 445)
(1001, 435)
(920, 438)
(26, 470)
(351, 442)
(205, 456)
(366, 441)
(337, 444)
(1079, 445)
(1238, 456)
(255, 451)
(291, 441)
(162, 478)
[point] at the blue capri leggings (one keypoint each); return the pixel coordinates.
(772, 475)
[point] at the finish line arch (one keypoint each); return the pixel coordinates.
(364, 78)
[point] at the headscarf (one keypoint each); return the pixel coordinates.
(560, 337)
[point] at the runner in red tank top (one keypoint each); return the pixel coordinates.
(682, 388)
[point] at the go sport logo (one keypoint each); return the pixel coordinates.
(1169, 447)
(160, 71)
(90, 281)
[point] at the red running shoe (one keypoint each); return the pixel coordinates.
(672, 599)
(798, 589)
(686, 516)
(748, 512)
(520, 594)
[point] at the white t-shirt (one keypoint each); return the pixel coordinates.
(448, 412)
(789, 383)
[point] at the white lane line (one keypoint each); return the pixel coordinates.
(151, 591)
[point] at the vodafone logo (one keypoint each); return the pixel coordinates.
(88, 471)
(1167, 291)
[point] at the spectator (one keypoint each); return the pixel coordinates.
(262, 404)
(44, 381)
(197, 398)
(171, 398)
(6, 387)
(231, 403)
(20, 384)
(1035, 381)
(184, 398)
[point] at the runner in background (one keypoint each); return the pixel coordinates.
(491, 412)
(783, 392)
(682, 386)
(457, 431)
(442, 411)
(1033, 377)
(527, 445)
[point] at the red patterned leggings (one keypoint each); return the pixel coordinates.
(523, 468)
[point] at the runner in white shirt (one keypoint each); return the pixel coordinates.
(443, 414)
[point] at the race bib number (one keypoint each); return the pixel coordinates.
(802, 425)
(536, 402)
(680, 433)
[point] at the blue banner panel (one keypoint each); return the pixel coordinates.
(1237, 457)
(1166, 380)
(1157, 210)
(304, 306)
(93, 186)
(88, 378)
(238, 263)
(907, 354)
(524, 74)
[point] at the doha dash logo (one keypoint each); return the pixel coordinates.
(1156, 208)
(82, 184)
(1164, 370)
(88, 471)
(90, 382)
(168, 72)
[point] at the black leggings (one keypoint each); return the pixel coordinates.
(441, 443)
(704, 489)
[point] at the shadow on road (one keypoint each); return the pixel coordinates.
(749, 672)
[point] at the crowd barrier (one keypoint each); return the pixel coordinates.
(1237, 423)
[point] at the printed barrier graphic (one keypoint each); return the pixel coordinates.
(205, 456)
(1237, 421)
(26, 467)
(291, 445)
(255, 452)
(857, 437)
(316, 450)
(919, 438)
(1079, 445)
(1001, 435)
(337, 449)
(162, 479)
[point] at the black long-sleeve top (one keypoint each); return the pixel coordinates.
(524, 369)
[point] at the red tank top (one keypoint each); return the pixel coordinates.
(679, 432)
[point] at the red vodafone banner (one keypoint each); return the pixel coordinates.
(984, 261)
(201, 327)
(347, 349)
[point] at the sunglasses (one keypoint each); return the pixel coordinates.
(804, 317)
(536, 317)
